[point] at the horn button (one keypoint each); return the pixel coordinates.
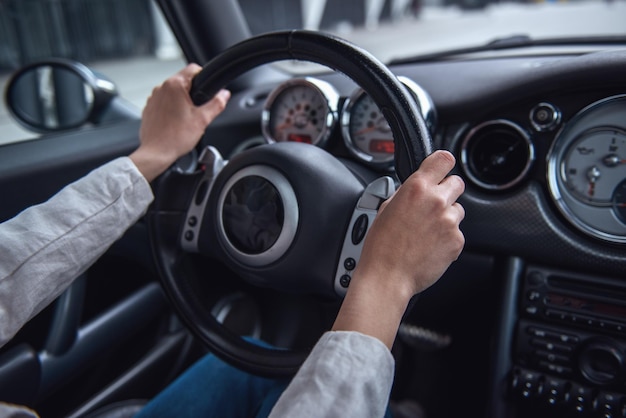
(256, 228)
(253, 215)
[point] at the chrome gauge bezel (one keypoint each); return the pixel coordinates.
(424, 103)
(598, 221)
(328, 94)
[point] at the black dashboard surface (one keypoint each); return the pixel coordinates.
(521, 220)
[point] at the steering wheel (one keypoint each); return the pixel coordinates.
(266, 212)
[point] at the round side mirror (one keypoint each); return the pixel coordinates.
(56, 95)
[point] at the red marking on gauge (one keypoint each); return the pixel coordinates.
(366, 130)
(299, 138)
(383, 146)
(592, 188)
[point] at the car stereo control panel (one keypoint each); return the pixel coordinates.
(570, 344)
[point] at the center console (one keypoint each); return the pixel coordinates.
(569, 353)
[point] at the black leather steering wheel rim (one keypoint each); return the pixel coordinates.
(412, 146)
(409, 130)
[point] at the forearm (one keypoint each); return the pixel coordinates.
(351, 368)
(374, 305)
(43, 249)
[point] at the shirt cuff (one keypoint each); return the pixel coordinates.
(346, 372)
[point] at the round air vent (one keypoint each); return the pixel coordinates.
(497, 155)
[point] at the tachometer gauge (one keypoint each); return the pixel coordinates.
(300, 110)
(367, 133)
(595, 164)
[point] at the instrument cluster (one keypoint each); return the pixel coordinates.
(309, 109)
(586, 163)
(587, 170)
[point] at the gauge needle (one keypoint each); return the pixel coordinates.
(592, 187)
(283, 126)
(593, 174)
(366, 130)
(613, 160)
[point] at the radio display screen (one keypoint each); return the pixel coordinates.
(587, 305)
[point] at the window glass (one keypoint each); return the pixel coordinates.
(393, 29)
(126, 40)
(129, 41)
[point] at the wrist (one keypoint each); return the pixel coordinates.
(374, 305)
(150, 164)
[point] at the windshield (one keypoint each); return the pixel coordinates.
(130, 42)
(396, 29)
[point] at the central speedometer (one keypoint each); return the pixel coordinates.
(300, 110)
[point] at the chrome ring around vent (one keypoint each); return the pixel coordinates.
(290, 222)
(497, 154)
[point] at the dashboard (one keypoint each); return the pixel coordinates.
(530, 321)
(570, 145)
(540, 140)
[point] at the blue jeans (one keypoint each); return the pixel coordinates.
(212, 388)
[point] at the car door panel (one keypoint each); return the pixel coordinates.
(113, 328)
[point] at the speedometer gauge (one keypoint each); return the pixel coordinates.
(300, 110)
(367, 133)
(587, 170)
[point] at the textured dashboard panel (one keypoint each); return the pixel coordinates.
(526, 225)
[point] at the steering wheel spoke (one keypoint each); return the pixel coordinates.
(212, 163)
(364, 214)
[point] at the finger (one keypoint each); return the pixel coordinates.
(218, 102)
(186, 75)
(215, 106)
(454, 186)
(436, 166)
(460, 211)
(190, 70)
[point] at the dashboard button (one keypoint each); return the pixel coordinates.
(344, 280)
(553, 357)
(550, 346)
(349, 263)
(545, 117)
(581, 398)
(201, 193)
(556, 390)
(608, 404)
(359, 229)
(556, 368)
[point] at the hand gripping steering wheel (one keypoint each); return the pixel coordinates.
(271, 207)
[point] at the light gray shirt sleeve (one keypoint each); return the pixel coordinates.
(44, 248)
(347, 374)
